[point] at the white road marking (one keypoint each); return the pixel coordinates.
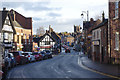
(68, 71)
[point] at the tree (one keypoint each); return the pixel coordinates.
(40, 31)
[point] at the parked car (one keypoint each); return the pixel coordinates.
(12, 60)
(67, 50)
(44, 55)
(48, 53)
(7, 62)
(29, 56)
(37, 56)
(20, 59)
(1, 73)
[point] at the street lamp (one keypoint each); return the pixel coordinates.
(86, 12)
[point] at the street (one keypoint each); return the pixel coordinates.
(64, 65)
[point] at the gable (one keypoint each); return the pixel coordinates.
(47, 38)
(7, 25)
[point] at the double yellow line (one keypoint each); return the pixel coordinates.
(99, 72)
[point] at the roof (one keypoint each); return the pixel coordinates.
(3, 16)
(45, 35)
(54, 35)
(87, 24)
(101, 24)
(36, 39)
(16, 24)
(20, 20)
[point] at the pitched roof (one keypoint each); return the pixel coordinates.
(20, 20)
(45, 35)
(36, 39)
(101, 24)
(3, 16)
(54, 35)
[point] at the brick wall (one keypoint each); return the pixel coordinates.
(114, 27)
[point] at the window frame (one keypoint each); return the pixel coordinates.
(117, 41)
(116, 8)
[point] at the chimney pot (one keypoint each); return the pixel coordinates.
(4, 9)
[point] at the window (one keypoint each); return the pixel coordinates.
(29, 38)
(22, 39)
(93, 35)
(25, 39)
(7, 22)
(116, 8)
(17, 38)
(117, 41)
(9, 37)
(97, 34)
(5, 35)
(47, 42)
(0, 37)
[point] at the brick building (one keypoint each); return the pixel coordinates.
(100, 41)
(114, 31)
(23, 36)
(87, 35)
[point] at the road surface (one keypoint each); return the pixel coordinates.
(64, 65)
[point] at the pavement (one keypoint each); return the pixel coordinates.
(109, 69)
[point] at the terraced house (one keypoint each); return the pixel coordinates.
(114, 31)
(23, 27)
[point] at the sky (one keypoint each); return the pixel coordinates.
(62, 15)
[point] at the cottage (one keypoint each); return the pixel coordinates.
(49, 41)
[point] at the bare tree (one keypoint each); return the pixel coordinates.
(97, 17)
(40, 31)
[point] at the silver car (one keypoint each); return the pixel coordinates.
(29, 55)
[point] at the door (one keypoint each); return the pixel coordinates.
(102, 54)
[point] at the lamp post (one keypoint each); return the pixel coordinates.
(86, 12)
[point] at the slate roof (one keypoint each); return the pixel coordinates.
(101, 24)
(36, 39)
(3, 15)
(54, 35)
(87, 24)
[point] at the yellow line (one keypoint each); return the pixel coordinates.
(101, 73)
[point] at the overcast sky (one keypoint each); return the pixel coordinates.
(62, 15)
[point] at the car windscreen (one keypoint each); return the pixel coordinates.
(15, 53)
(42, 52)
(24, 54)
(35, 53)
(47, 51)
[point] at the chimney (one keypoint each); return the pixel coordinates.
(50, 28)
(46, 31)
(4, 9)
(12, 14)
(103, 16)
(91, 19)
